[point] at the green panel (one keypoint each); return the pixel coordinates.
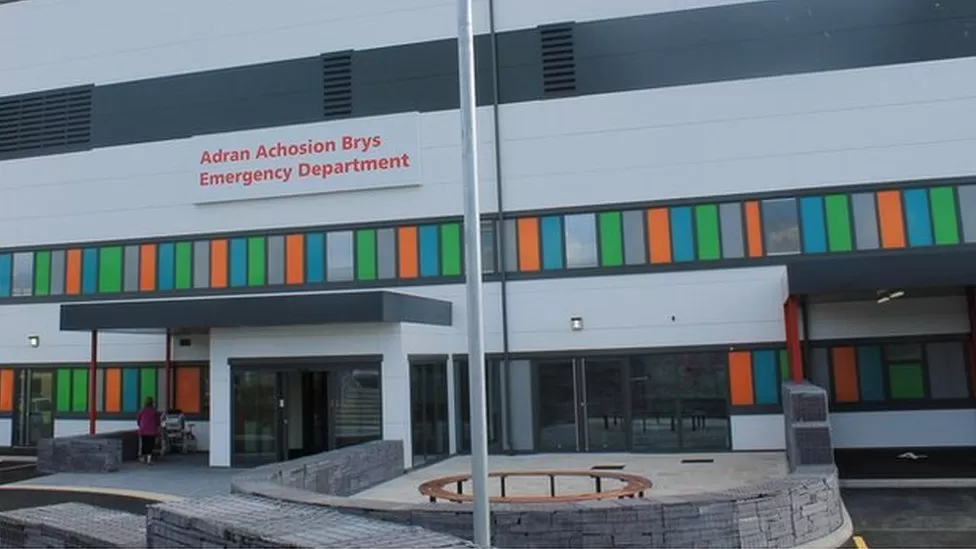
(79, 390)
(784, 365)
(611, 239)
(184, 264)
(942, 200)
(366, 254)
(838, 223)
(706, 225)
(147, 384)
(110, 269)
(42, 273)
(255, 261)
(63, 384)
(906, 380)
(451, 249)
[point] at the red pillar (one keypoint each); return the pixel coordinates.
(791, 317)
(92, 379)
(168, 378)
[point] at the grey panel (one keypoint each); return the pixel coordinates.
(339, 256)
(820, 368)
(730, 225)
(967, 210)
(511, 246)
(781, 226)
(130, 269)
(276, 260)
(865, 221)
(23, 280)
(201, 264)
(947, 370)
(57, 272)
(386, 253)
(100, 390)
(161, 389)
(579, 232)
(635, 245)
(489, 250)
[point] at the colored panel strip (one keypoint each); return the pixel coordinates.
(845, 374)
(945, 222)
(754, 237)
(765, 377)
(295, 259)
(89, 270)
(682, 235)
(130, 390)
(509, 238)
(166, 266)
(63, 390)
(183, 265)
(813, 225)
(967, 211)
(905, 381)
(869, 374)
(918, 218)
(6, 273)
(429, 251)
(23, 274)
(528, 244)
(315, 258)
(451, 249)
(740, 378)
(113, 390)
(42, 273)
(201, 264)
(72, 283)
(276, 260)
(110, 269)
(611, 239)
(707, 231)
(551, 228)
(6, 390)
(130, 269)
(219, 264)
(147, 383)
(99, 390)
(366, 254)
(659, 235)
(409, 252)
(57, 272)
(838, 223)
(147, 267)
(386, 261)
(635, 247)
(188, 389)
(79, 390)
(783, 359)
(866, 221)
(256, 261)
(238, 262)
(733, 240)
(890, 217)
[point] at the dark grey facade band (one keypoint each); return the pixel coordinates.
(263, 311)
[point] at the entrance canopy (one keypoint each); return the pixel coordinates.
(255, 312)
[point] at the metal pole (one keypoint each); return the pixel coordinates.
(168, 393)
(473, 281)
(92, 390)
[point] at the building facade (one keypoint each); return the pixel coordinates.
(256, 208)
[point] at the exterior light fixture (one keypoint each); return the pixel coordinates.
(576, 323)
(885, 296)
(896, 294)
(34, 341)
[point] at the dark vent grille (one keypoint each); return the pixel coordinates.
(45, 120)
(808, 408)
(558, 59)
(337, 84)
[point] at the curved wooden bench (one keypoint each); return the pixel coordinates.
(633, 486)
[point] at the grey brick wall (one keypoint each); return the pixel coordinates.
(101, 453)
(71, 525)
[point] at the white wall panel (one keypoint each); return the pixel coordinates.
(758, 432)
(906, 316)
(901, 429)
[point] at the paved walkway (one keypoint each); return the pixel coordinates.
(909, 518)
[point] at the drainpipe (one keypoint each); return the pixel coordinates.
(499, 199)
(168, 378)
(92, 378)
(791, 317)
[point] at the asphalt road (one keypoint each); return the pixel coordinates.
(912, 518)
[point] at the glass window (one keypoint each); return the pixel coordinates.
(781, 226)
(489, 252)
(901, 352)
(339, 256)
(23, 282)
(947, 370)
(581, 248)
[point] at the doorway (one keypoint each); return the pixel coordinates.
(429, 414)
(581, 405)
(33, 406)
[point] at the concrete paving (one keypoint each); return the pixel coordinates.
(669, 475)
(910, 518)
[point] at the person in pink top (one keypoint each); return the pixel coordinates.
(148, 421)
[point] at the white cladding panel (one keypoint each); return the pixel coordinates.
(900, 317)
(903, 429)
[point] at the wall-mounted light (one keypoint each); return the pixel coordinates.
(885, 296)
(576, 323)
(34, 341)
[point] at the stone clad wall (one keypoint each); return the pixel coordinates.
(100, 453)
(71, 525)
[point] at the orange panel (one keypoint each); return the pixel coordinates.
(218, 263)
(845, 374)
(528, 244)
(147, 267)
(295, 259)
(188, 390)
(659, 235)
(113, 390)
(407, 250)
(892, 219)
(6, 390)
(754, 229)
(740, 378)
(72, 280)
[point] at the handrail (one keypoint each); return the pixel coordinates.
(634, 486)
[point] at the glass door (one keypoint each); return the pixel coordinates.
(259, 429)
(704, 407)
(558, 406)
(428, 405)
(33, 408)
(605, 427)
(356, 405)
(582, 405)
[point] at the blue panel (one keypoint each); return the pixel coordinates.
(166, 266)
(869, 373)
(552, 242)
(918, 218)
(429, 251)
(682, 236)
(238, 262)
(764, 377)
(89, 270)
(6, 265)
(130, 390)
(314, 258)
(813, 224)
